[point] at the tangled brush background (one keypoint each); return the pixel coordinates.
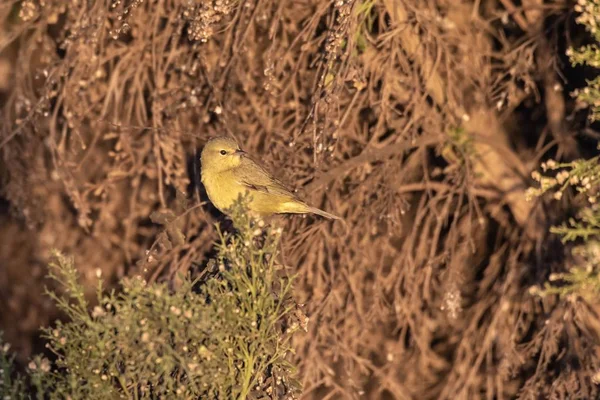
(417, 121)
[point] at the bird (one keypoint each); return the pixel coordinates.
(228, 172)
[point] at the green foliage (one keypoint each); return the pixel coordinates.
(589, 55)
(364, 14)
(365, 18)
(589, 16)
(225, 338)
(586, 227)
(583, 281)
(584, 177)
(12, 386)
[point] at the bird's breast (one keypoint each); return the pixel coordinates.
(222, 189)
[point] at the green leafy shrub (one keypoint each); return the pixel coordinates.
(582, 176)
(224, 338)
(12, 386)
(589, 55)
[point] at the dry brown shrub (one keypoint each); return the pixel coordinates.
(403, 116)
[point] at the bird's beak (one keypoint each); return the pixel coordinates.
(240, 152)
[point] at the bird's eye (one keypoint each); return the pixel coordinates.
(223, 152)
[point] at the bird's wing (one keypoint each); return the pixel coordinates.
(255, 177)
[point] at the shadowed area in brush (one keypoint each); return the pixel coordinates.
(417, 122)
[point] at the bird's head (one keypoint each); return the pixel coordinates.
(220, 154)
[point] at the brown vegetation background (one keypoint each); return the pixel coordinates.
(417, 121)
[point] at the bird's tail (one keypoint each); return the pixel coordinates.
(298, 207)
(322, 213)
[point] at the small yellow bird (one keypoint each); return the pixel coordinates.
(228, 172)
